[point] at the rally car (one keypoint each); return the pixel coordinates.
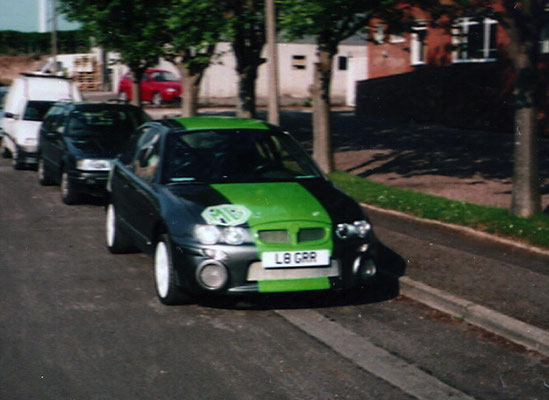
(234, 206)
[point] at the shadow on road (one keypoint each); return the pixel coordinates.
(375, 292)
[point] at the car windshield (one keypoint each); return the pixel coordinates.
(98, 120)
(235, 156)
(163, 76)
(36, 110)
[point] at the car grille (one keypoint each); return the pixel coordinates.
(274, 236)
(310, 234)
(283, 236)
(256, 272)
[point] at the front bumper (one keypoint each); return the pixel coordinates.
(27, 155)
(171, 97)
(92, 183)
(351, 266)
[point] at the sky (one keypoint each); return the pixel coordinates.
(22, 15)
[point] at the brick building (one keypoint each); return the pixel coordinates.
(461, 77)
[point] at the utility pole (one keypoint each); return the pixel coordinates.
(54, 36)
(273, 92)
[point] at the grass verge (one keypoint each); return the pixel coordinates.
(533, 230)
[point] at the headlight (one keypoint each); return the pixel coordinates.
(93, 165)
(211, 234)
(357, 229)
(234, 235)
(171, 90)
(207, 234)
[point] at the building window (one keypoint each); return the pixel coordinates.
(395, 38)
(418, 49)
(379, 34)
(544, 40)
(299, 62)
(342, 63)
(475, 40)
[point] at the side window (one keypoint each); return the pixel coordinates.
(146, 160)
(54, 119)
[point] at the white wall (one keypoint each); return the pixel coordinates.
(220, 79)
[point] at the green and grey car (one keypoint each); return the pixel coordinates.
(235, 206)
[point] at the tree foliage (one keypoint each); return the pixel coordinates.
(329, 22)
(133, 28)
(193, 28)
(246, 31)
(13, 43)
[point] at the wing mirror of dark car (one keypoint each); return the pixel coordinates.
(52, 135)
(143, 157)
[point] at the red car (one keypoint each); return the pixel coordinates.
(157, 86)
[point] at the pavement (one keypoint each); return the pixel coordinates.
(503, 286)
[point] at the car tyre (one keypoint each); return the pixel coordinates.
(156, 99)
(118, 242)
(68, 193)
(122, 96)
(16, 160)
(164, 274)
(5, 152)
(44, 174)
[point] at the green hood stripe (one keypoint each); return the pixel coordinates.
(278, 206)
(293, 285)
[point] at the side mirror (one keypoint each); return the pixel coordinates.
(52, 135)
(142, 157)
(11, 115)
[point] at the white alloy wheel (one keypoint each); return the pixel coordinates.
(157, 99)
(118, 242)
(162, 269)
(110, 225)
(66, 192)
(43, 176)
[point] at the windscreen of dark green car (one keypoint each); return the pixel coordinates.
(222, 156)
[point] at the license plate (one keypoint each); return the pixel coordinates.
(304, 258)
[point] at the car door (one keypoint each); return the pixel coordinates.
(50, 137)
(140, 210)
(146, 89)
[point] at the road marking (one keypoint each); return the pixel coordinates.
(370, 357)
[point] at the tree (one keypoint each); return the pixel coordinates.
(131, 27)
(246, 31)
(193, 28)
(329, 22)
(523, 22)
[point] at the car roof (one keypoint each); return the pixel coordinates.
(202, 123)
(95, 105)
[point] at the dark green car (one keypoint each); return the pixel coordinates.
(235, 206)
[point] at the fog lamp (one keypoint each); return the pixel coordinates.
(212, 275)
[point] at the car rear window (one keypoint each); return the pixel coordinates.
(36, 110)
(94, 120)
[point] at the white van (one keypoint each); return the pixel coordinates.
(28, 99)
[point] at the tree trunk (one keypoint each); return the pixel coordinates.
(137, 75)
(320, 92)
(245, 101)
(526, 199)
(524, 32)
(190, 82)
